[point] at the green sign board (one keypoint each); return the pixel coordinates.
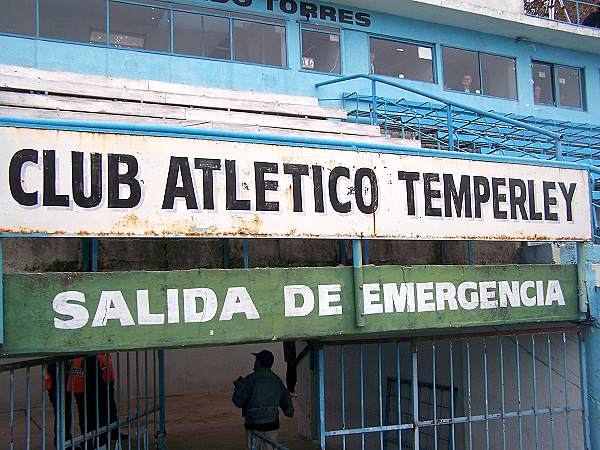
(81, 312)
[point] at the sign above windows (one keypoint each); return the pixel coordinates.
(67, 183)
(81, 312)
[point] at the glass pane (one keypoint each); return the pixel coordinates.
(199, 35)
(142, 27)
(543, 84)
(18, 17)
(401, 60)
(73, 20)
(320, 51)
(461, 70)
(569, 86)
(499, 76)
(259, 43)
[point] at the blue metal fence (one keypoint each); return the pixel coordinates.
(520, 390)
(570, 11)
(94, 401)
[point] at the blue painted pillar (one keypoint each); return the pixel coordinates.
(591, 336)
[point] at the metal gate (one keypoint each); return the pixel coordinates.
(98, 401)
(520, 390)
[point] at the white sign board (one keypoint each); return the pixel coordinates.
(83, 183)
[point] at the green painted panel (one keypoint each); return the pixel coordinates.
(79, 312)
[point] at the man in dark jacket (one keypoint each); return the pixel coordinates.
(260, 395)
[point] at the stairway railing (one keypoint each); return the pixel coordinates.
(452, 108)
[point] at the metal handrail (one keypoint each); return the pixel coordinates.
(449, 104)
(256, 435)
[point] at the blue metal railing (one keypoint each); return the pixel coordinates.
(88, 413)
(452, 112)
(569, 11)
(259, 441)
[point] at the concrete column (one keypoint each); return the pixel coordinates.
(592, 343)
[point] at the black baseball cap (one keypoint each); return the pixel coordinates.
(265, 358)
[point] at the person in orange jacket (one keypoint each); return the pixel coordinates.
(51, 382)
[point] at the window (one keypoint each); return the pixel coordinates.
(259, 43)
(550, 80)
(402, 60)
(73, 20)
(498, 76)
(461, 70)
(194, 30)
(201, 35)
(321, 49)
(479, 73)
(18, 17)
(143, 27)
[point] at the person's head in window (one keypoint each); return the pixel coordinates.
(467, 81)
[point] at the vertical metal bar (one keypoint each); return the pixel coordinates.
(342, 250)
(365, 251)
(27, 408)
(11, 409)
(60, 415)
(95, 250)
(343, 393)
(519, 408)
(362, 396)
(246, 253)
(128, 370)
(398, 394)
(321, 376)
(470, 253)
(452, 430)
(503, 404)
(433, 369)
(155, 395)
(107, 387)
(534, 392)
(146, 395)
(469, 424)
(450, 128)
(584, 390)
(485, 390)
(118, 400)
(373, 102)
(415, 394)
(72, 395)
(566, 386)
(96, 399)
(137, 398)
(359, 315)
(43, 418)
(85, 404)
(161, 399)
(549, 351)
(380, 395)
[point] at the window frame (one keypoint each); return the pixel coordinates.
(481, 83)
(556, 85)
(266, 19)
(430, 45)
(319, 28)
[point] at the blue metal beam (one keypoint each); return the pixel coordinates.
(295, 141)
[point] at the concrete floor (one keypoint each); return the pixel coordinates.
(194, 422)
